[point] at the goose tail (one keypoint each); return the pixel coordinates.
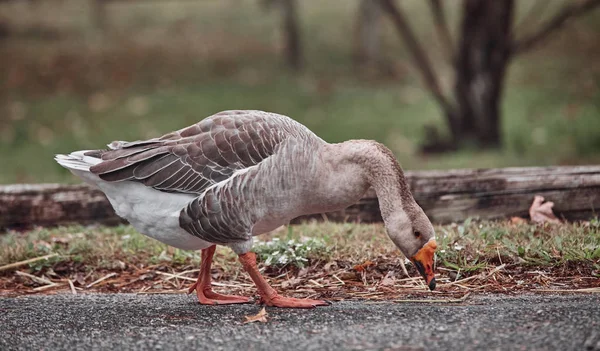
(79, 163)
(77, 160)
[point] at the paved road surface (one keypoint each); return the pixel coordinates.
(176, 322)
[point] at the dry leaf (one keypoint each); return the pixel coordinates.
(541, 212)
(41, 244)
(364, 266)
(303, 272)
(259, 317)
(291, 283)
(388, 280)
(79, 279)
(61, 239)
(555, 252)
(330, 266)
(517, 220)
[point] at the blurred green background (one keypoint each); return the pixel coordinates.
(70, 80)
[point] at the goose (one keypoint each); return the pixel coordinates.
(238, 174)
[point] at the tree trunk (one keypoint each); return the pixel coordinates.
(481, 63)
(99, 13)
(368, 29)
(486, 47)
(291, 32)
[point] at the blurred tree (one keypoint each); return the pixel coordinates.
(367, 43)
(486, 45)
(99, 13)
(291, 32)
(480, 65)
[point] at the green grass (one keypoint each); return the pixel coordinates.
(536, 130)
(470, 247)
(179, 63)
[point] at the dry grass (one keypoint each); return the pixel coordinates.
(358, 261)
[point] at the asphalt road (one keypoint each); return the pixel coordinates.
(177, 322)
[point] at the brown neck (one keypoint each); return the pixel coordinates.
(384, 174)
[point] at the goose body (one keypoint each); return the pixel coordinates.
(238, 174)
(223, 180)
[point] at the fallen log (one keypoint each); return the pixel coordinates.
(27, 205)
(446, 196)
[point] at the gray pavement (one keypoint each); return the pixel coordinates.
(177, 322)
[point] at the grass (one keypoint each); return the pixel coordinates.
(470, 248)
(472, 245)
(290, 251)
(536, 127)
(83, 90)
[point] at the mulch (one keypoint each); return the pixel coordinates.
(377, 280)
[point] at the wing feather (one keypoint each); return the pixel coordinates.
(196, 159)
(193, 158)
(147, 169)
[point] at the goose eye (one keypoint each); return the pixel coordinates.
(417, 234)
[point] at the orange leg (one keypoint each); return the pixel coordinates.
(203, 285)
(268, 295)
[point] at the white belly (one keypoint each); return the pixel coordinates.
(152, 212)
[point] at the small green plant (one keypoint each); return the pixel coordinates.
(278, 252)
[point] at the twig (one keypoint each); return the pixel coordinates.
(410, 287)
(572, 10)
(49, 286)
(39, 280)
(129, 282)
(368, 292)
(418, 55)
(403, 266)
(88, 275)
(31, 260)
(338, 279)
(478, 276)
(72, 287)
(281, 275)
(179, 276)
(462, 286)
(441, 26)
(499, 268)
(409, 279)
(171, 276)
(190, 271)
(175, 284)
(316, 283)
(240, 285)
(311, 291)
(101, 279)
(532, 14)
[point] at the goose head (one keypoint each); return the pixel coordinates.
(406, 223)
(411, 231)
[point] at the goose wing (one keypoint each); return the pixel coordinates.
(192, 159)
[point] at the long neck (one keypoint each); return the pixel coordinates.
(385, 175)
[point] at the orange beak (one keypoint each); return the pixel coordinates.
(423, 260)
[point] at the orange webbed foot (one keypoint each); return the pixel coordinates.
(209, 297)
